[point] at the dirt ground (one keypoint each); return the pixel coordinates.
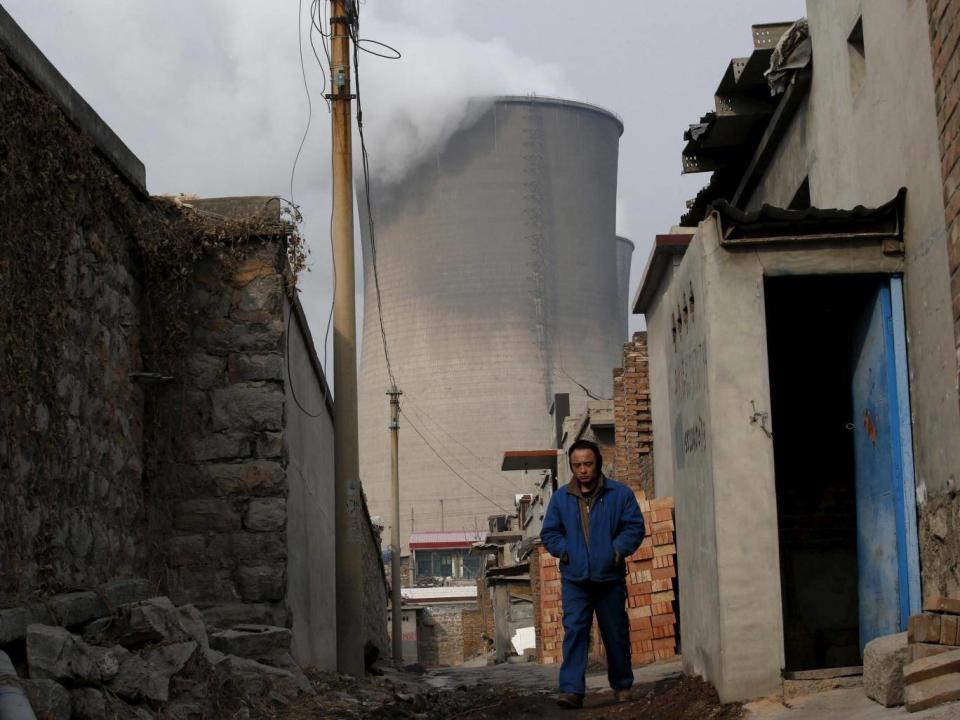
(673, 698)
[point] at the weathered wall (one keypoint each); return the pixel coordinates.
(227, 539)
(374, 583)
(860, 147)
(722, 463)
(940, 516)
(440, 636)
(71, 419)
(308, 436)
(631, 413)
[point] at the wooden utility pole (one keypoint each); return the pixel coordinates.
(349, 559)
(395, 591)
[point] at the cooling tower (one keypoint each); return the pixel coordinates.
(624, 259)
(499, 287)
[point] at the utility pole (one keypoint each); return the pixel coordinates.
(395, 590)
(349, 560)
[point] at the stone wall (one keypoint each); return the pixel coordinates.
(226, 546)
(633, 426)
(71, 415)
(939, 523)
(440, 637)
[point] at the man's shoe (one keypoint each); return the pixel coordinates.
(623, 695)
(570, 701)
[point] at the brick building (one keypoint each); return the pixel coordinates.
(633, 427)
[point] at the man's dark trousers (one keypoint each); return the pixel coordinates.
(580, 601)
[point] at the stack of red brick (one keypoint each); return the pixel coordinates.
(932, 673)
(651, 595)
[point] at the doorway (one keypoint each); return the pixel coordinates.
(840, 464)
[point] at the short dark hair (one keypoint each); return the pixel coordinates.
(586, 445)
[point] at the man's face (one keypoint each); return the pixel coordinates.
(584, 465)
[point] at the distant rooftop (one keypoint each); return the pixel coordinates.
(445, 539)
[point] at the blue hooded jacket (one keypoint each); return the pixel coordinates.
(616, 531)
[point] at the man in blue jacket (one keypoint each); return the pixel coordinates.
(593, 524)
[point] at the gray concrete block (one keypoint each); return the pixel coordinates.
(54, 653)
(146, 675)
(151, 621)
(122, 592)
(883, 661)
(259, 584)
(254, 477)
(256, 679)
(50, 700)
(248, 406)
(77, 608)
(266, 514)
(242, 367)
(252, 641)
(206, 515)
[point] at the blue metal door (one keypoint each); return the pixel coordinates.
(886, 531)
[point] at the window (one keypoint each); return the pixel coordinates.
(857, 56)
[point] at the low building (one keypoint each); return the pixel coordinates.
(802, 359)
(444, 557)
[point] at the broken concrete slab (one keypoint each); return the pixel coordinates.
(94, 704)
(227, 615)
(931, 667)
(253, 678)
(54, 653)
(883, 661)
(151, 621)
(252, 641)
(124, 592)
(50, 700)
(932, 692)
(76, 608)
(146, 675)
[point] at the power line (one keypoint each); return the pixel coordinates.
(365, 158)
(449, 466)
(423, 415)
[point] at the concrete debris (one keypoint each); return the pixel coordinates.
(146, 675)
(150, 659)
(883, 661)
(54, 653)
(150, 621)
(252, 641)
(50, 700)
(93, 704)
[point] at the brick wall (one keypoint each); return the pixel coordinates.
(944, 35)
(651, 594)
(633, 428)
(440, 638)
(939, 521)
(474, 642)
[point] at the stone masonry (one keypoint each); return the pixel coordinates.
(633, 427)
(939, 522)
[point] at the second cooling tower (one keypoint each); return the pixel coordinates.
(497, 266)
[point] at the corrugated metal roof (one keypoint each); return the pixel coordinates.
(467, 592)
(448, 538)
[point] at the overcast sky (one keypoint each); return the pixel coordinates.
(209, 93)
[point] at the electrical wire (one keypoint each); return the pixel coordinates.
(449, 466)
(354, 28)
(423, 414)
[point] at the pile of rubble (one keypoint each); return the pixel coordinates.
(117, 652)
(921, 667)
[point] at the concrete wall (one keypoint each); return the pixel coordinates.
(498, 277)
(659, 350)
(721, 461)
(311, 568)
(860, 148)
